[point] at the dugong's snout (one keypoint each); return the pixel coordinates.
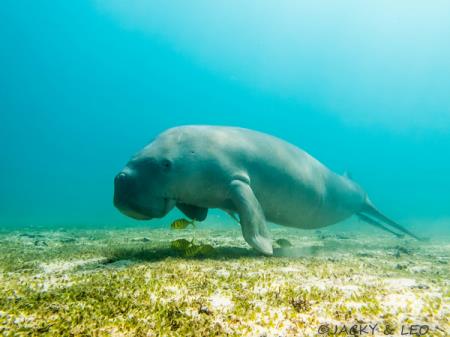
(122, 189)
(125, 195)
(134, 199)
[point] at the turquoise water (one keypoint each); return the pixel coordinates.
(85, 84)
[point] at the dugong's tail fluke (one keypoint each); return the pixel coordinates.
(372, 222)
(370, 209)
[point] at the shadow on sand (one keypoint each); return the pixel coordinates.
(152, 254)
(159, 254)
(327, 248)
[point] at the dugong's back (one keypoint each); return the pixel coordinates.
(291, 186)
(288, 182)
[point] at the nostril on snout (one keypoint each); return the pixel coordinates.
(121, 177)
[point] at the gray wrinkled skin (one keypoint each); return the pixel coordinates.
(257, 176)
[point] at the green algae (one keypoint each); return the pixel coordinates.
(236, 292)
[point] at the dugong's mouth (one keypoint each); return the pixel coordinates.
(142, 213)
(135, 215)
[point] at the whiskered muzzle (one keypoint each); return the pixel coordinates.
(123, 190)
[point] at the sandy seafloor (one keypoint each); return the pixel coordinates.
(128, 282)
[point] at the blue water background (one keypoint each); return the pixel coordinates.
(362, 86)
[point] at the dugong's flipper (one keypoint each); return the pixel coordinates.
(253, 222)
(193, 212)
(233, 216)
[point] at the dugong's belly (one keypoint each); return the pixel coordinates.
(301, 203)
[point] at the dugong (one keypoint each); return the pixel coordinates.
(259, 177)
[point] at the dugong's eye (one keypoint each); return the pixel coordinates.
(166, 164)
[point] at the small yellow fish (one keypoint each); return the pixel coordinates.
(181, 224)
(207, 250)
(180, 244)
(192, 251)
(196, 250)
(283, 243)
